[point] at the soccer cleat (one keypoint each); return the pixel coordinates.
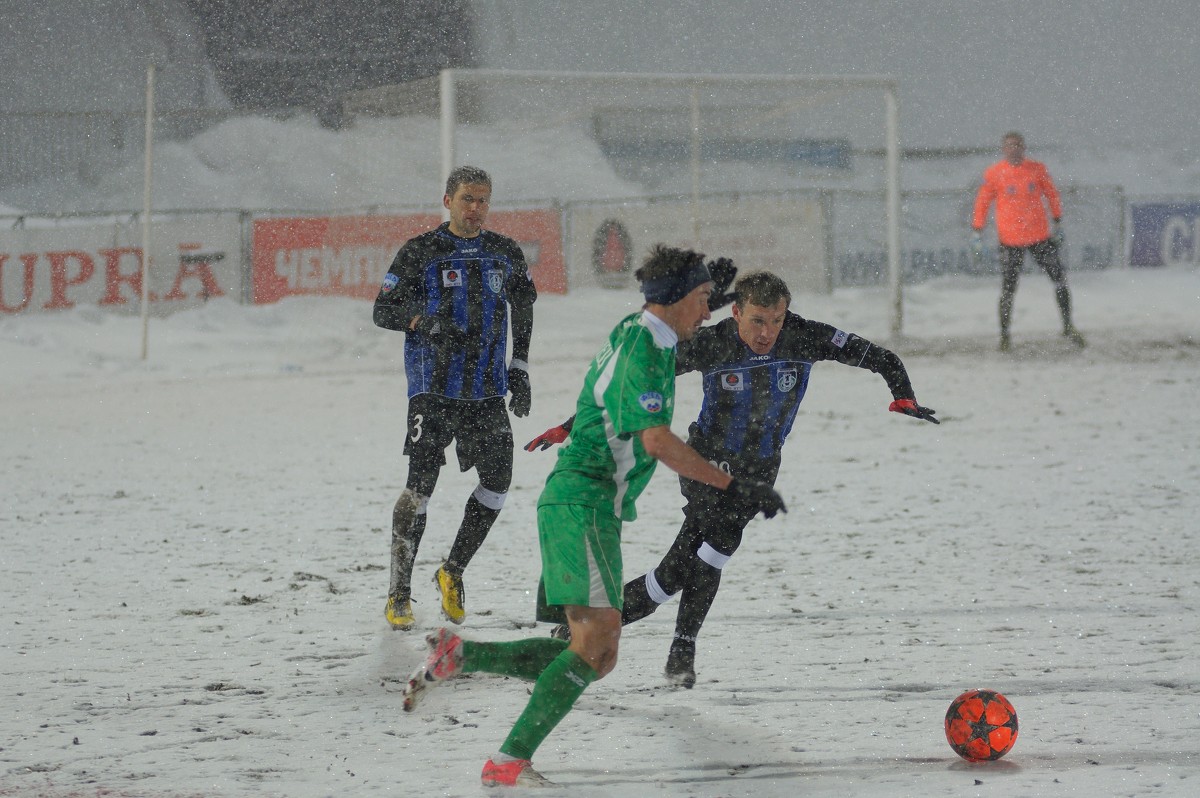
(561, 632)
(681, 664)
(453, 595)
(444, 662)
(1075, 337)
(517, 773)
(1005, 342)
(399, 613)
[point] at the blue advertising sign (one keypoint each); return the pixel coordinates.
(1165, 234)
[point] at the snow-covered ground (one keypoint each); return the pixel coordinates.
(194, 552)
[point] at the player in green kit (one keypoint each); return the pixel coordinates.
(621, 431)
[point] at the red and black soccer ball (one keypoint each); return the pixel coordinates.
(981, 725)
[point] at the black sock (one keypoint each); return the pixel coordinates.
(696, 599)
(477, 521)
(637, 602)
(404, 553)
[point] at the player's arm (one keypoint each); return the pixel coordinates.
(723, 273)
(708, 346)
(669, 449)
(521, 295)
(983, 199)
(854, 350)
(399, 300)
(551, 436)
(1051, 192)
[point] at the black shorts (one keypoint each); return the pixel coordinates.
(711, 515)
(481, 428)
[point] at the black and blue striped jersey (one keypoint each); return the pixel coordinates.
(471, 284)
(750, 400)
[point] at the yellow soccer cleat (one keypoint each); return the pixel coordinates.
(399, 613)
(453, 595)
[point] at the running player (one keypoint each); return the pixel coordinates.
(755, 367)
(622, 431)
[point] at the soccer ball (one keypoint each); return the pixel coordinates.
(981, 725)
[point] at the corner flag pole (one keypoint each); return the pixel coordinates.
(449, 120)
(895, 285)
(146, 183)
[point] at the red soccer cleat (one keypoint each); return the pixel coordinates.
(517, 773)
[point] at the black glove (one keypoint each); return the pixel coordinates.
(522, 395)
(722, 272)
(551, 436)
(441, 330)
(1056, 234)
(758, 495)
(909, 407)
(977, 246)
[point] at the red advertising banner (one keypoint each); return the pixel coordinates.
(348, 255)
(59, 266)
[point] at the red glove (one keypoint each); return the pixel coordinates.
(551, 436)
(909, 407)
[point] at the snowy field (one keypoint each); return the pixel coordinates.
(195, 552)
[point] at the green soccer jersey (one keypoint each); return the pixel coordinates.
(630, 386)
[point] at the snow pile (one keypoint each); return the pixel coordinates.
(259, 163)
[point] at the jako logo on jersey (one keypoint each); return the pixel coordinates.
(495, 280)
(651, 401)
(786, 381)
(390, 281)
(840, 338)
(452, 277)
(733, 381)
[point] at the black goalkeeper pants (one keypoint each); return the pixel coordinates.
(1045, 254)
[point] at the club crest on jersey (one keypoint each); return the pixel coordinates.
(390, 281)
(495, 280)
(452, 278)
(786, 380)
(840, 338)
(733, 381)
(651, 401)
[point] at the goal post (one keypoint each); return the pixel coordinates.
(677, 134)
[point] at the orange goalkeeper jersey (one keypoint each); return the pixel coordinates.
(1018, 192)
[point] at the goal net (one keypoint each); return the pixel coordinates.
(737, 165)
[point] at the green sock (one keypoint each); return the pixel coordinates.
(554, 693)
(524, 659)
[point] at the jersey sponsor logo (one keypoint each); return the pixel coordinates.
(733, 381)
(390, 281)
(651, 401)
(786, 380)
(495, 280)
(761, 357)
(840, 338)
(452, 278)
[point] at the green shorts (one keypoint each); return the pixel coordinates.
(581, 559)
